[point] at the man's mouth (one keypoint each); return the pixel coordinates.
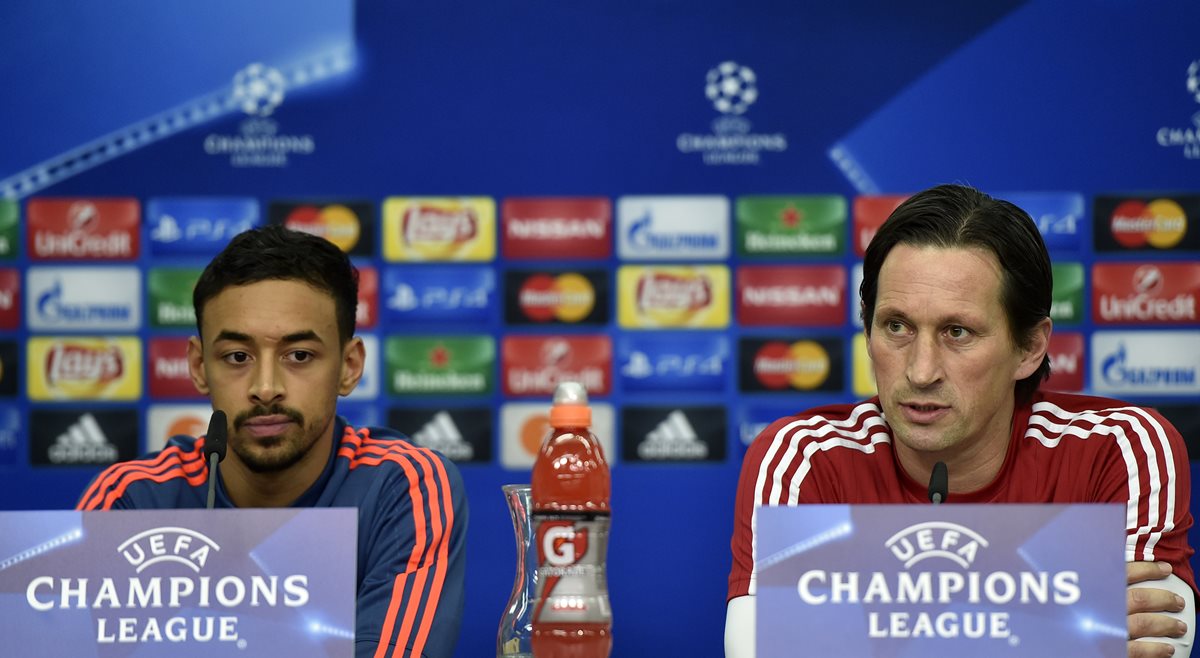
(262, 426)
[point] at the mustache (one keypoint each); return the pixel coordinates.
(263, 410)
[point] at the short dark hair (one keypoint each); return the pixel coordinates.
(958, 216)
(274, 252)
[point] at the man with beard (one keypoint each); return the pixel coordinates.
(275, 314)
(955, 297)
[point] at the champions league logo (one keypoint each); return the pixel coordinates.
(171, 602)
(1186, 138)
(732, 88)
(898, 603)
(258, 90)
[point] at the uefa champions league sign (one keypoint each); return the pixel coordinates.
(178, 583)
(946, 580)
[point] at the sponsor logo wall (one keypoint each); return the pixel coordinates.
(693, 320)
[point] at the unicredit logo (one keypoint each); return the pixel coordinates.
(1147, 279)
(1145, 308)
(82, 244)
(83, 229)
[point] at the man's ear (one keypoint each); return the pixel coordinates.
(354, 358)
(195, 358)
(1037, 346)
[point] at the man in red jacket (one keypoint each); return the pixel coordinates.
(956, 298)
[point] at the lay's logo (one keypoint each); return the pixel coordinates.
(431, 224)
(662, 291)
(424, 229)
(84, 368)
(673, 296)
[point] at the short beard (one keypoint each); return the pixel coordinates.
(280, 461)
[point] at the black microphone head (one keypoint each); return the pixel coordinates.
(214, 441)
(939, 483)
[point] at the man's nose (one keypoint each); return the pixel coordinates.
(266, 386)
(924, 362)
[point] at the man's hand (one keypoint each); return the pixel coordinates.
(1146, 605)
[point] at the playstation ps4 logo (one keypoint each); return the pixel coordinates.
(437, 293)
(406, 298)
(676, 362)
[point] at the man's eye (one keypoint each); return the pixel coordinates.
(300, 356)
(958, 332)
(894, 326)
(237, 357)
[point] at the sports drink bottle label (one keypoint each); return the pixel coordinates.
(571, 584)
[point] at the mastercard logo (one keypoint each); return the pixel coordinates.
(803, 365)
(335, 223)
(1160, 224)
(566, 297)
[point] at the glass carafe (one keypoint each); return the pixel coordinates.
(514, 640)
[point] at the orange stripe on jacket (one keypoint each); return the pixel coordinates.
(365, 451)
(157, 471)
(442, 562)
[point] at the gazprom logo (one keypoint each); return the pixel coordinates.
(673, 227)
(936, 539)
(87, 298)
(642, 235)
(168, 544)
(1134, 362)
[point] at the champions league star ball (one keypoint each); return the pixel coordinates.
(258, 89)
(1193, 80)
(731, 88)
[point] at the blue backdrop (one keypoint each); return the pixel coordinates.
(362, 101)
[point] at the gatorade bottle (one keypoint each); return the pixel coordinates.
(571, 617)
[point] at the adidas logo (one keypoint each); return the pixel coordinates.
(674, 438)
(83, 443)
(441, 434)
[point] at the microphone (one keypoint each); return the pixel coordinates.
(939, 483)
(214, 451)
